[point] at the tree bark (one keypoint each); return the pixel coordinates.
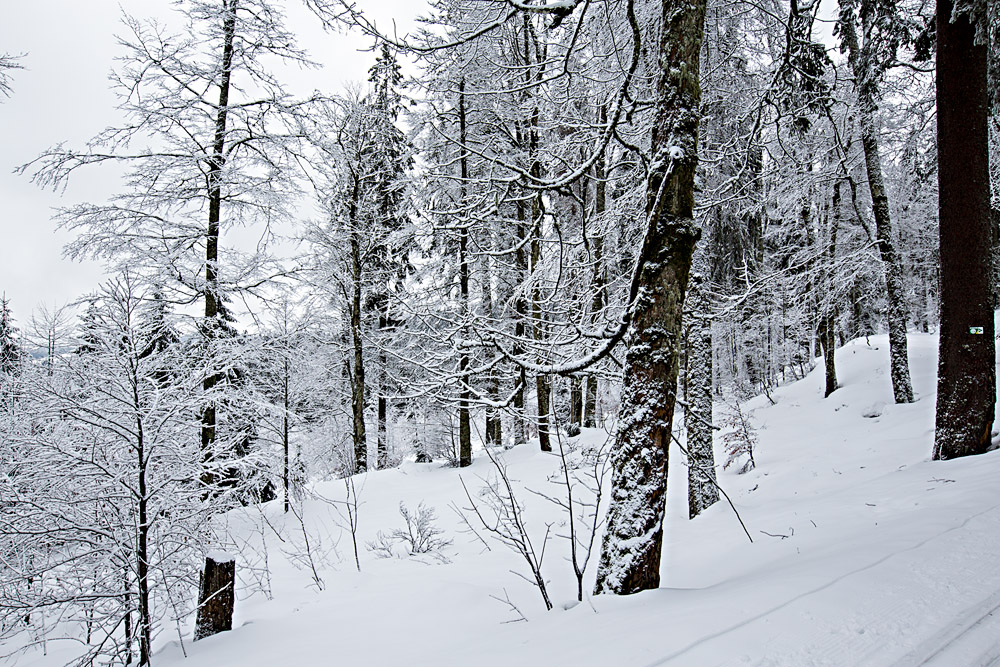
(632, 544)
(216, 596)
(702, 489)
(966, 359)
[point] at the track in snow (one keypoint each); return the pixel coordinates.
(972, 640)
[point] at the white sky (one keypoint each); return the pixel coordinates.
(62, 95)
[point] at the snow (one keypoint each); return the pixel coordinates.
(865, 552)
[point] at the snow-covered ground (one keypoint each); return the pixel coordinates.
(864, 553)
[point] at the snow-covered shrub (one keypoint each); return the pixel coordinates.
(739, 438)
(420, 536)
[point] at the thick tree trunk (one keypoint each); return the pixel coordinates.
(702, 489)
(211, 290)
(216, 596)
(966, 359)
(632, 544)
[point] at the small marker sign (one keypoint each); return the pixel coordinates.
(976, 330)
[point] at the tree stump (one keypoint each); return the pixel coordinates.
(216, 595)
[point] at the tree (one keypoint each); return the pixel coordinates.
(11, 350)
(210, 141)
(882, 32)
(630, 552)
(967, 354)
(702, 489)
(105, 519)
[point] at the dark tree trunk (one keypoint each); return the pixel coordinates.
(632, 544)
(542, 386)
(382, 435)
(285, 472)
(828, 325)
(576, 401)
(142, 538)
(966, 359)
(358, 370)
(521, 312)
(465, 394)
(211, 290)
(216, 596)
(702, 489)
(494, 428)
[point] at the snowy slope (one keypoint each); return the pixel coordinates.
(876, 556)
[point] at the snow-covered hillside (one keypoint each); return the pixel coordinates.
(864, 553)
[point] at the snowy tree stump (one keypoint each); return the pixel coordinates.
(216, 595)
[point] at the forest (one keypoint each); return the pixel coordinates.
(611, 233)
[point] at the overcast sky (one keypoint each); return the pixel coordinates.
(62, 95)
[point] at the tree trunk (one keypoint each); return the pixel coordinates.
(494, 428)
(382, 435)
(521, 312)
(216, 596)
(211, 291)
(358, 371)
(465, 395)
(285, 472)
(860, 59)
(827, 328)
(702, 489)
(142, 538)
(597, 279)
(966, 359)
(632, 544)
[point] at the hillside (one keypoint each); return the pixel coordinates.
(864, 553)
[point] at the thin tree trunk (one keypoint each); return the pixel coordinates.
(494, 427)
(382, 439)
(966, 359)
(521, 311)
(632, 544)
(860, 59)
(358, 374)
(827, 330)
(702, 489)
(285, 481)
(465, 395)
(597, 280)
(142, 538)
(211, 291)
